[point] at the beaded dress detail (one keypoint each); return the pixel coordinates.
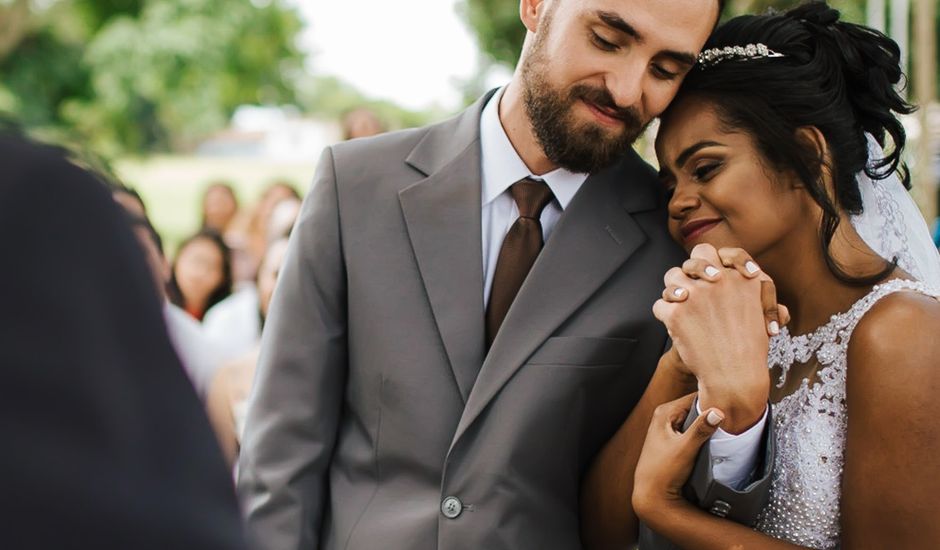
(810, 427)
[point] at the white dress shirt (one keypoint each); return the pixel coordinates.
(734, 457)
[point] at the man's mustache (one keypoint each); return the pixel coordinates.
(602, 98)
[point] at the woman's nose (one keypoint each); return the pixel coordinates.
(684, 200)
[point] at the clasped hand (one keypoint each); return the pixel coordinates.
(719, 309)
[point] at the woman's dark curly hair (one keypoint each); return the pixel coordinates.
(836, 76)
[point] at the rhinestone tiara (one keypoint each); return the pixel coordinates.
(713, 56)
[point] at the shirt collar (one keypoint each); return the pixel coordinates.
(502, 166)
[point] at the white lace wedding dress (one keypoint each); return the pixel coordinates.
(810, 427)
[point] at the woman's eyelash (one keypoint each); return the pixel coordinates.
(703, 172)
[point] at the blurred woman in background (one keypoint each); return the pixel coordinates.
(219, 207)
(202, 273)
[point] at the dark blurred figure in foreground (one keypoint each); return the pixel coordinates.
(105, 443)
(130, 200)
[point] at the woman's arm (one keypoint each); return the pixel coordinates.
(891, 483)
(890, 488)
(664, 466)
(607, 518)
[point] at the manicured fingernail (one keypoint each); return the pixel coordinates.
(774, 327)
(711, 271)
(751, 267)
(714, 418)
(678, 292)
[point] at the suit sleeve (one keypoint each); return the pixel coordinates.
(296, 402)
(742, 505)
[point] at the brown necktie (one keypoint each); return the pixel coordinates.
(520, 248)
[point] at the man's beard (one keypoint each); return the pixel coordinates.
(581, 147)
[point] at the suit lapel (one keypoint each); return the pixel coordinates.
(593, 238)
(442, 214)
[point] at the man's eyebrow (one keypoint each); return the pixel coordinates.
(689, 151)
(615, 21)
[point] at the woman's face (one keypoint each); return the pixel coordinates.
(198, 271)
(723, 191)
(220, 207)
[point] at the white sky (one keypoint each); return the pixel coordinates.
(411, 52)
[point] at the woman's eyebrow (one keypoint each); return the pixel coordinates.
(689, 151)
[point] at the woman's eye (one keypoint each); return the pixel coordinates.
(601, 43)
(704, 172)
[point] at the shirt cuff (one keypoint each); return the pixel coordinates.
(735, 456)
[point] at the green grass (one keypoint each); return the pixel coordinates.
(172, 186)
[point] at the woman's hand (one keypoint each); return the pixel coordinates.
(717, 320)
(668, 454)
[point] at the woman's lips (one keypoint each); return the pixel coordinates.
(697, 228)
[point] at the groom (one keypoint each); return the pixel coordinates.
(431, 376)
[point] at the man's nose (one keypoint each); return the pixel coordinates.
(626, 84)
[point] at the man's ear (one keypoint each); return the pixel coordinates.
(530, 12)
(814, 141)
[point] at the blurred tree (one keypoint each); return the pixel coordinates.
(330, 97)
(141, 75)
(497, 27)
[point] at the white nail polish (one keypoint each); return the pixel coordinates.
(711, 271)
(751, 267)
(774, 328)
(714, 418)
(678, 292)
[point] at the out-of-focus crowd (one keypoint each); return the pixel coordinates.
(216, 290)
(217, 287)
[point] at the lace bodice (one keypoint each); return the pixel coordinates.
(810, 428)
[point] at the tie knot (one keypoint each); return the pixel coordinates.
(531, 197)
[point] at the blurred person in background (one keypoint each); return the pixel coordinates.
(227, 401)
(201, 275)
(252, 249)
(200, 356)
(234, 324)
(105, 443)
(219, 207)
(282, 218)
(360, 123)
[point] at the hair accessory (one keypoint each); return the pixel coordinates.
(713, 56)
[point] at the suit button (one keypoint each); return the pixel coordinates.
(720, 508)
(451, 507)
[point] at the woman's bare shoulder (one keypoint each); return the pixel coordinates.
(896, 344)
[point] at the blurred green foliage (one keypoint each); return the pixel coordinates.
(130, 76)
(331, 98)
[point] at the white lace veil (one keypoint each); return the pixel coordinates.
(892, 225)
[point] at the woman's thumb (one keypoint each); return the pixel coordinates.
(703, 427)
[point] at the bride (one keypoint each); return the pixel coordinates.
(773, 155)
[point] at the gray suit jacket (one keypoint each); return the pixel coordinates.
(375, 399)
